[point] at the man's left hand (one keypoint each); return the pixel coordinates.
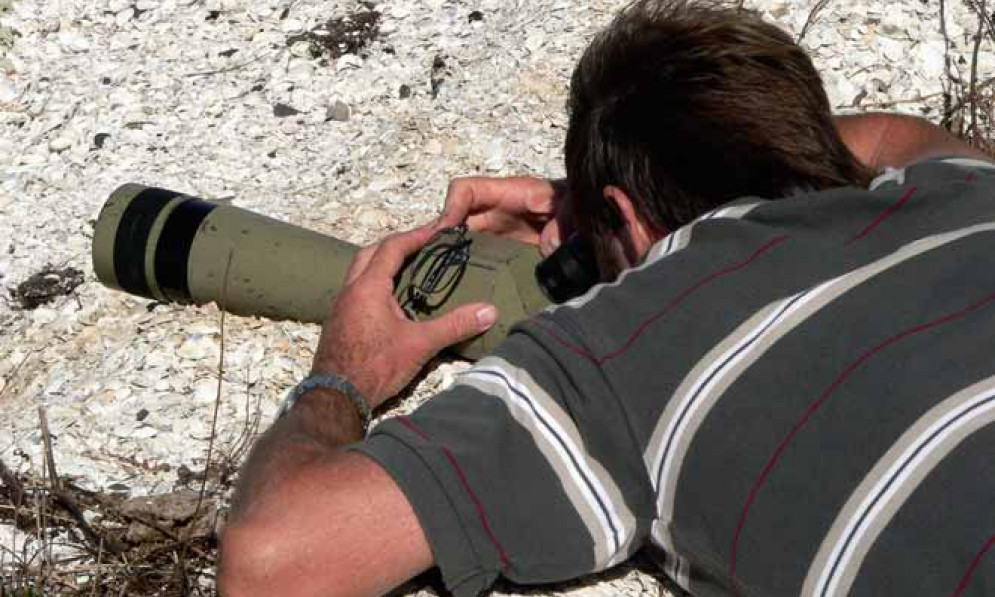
(366, 336)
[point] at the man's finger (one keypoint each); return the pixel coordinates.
(489, 204)
(461, 200)
(392, 252)
(550, 238)
(460, 324)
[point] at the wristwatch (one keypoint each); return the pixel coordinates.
(331, 382)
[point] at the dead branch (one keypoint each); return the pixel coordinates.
(13, 485)
(813, 15)
(975, 134)
(65, 499)
(221, 371)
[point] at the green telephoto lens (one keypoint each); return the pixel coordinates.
(172, 247)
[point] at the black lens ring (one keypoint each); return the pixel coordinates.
(132, 237)
(172, 252)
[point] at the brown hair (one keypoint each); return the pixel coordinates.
(686, 106)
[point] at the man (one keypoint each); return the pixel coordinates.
(786, 386)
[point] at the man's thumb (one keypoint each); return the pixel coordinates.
(460, 324)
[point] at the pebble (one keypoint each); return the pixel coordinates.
(338, 111)
(196, 348)
(60, 143)
(292, 26)
(495, 155)
(144, 432)
(8, 91)
(930, 55)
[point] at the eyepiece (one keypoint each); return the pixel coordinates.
(569, 271)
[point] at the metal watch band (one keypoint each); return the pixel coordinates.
(330, 382)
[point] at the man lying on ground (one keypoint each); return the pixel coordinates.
(785, 386)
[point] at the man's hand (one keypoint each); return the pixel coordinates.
(366, 336)
(532, 210)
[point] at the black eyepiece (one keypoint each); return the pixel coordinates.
(569, 271)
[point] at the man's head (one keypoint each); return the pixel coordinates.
(679, 107)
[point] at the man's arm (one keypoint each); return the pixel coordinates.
(894, 140)
(309, 518)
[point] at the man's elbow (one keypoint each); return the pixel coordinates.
(250, 562)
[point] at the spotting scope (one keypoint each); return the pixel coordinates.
(172, 247)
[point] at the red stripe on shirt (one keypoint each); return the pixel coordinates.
(481, 513)
(966, 580)
(674, 303)
(884, 215)
(823, 398)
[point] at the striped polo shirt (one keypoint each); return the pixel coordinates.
(791, 397)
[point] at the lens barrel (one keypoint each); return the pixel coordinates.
(172, 247)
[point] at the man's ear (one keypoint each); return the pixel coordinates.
(639, 236)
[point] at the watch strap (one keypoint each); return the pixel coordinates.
(330, 382)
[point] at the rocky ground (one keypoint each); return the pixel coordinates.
(346, 118)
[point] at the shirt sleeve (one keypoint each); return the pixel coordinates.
(937, 170)
(524, 468)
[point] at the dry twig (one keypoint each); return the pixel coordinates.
(813, 15)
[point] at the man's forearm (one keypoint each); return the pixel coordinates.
(320, 423)
(895, 140)
(311, 519)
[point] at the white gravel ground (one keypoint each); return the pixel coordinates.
(181, 94)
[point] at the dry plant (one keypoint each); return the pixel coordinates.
(813, 16)
(968, 101)
(89, 543)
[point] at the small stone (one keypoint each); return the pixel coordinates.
(281, 110)
(124, 16)
(931, 54)
(292, 26)
(196, 348)
(476, 16)
(895, 24)
(534, 42)
(144, 432)
(99, 139)
(73, 42)
(44, 316)
(289, 127)
(495, 155)
(404, 92)
(8, 92)
(60, 144)
(339, 111)
(142, 414)
(348, 61)
(372, 217)
(205, 391)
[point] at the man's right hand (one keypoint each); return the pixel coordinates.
(529, 209)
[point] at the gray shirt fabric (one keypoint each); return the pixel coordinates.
(789, 397)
